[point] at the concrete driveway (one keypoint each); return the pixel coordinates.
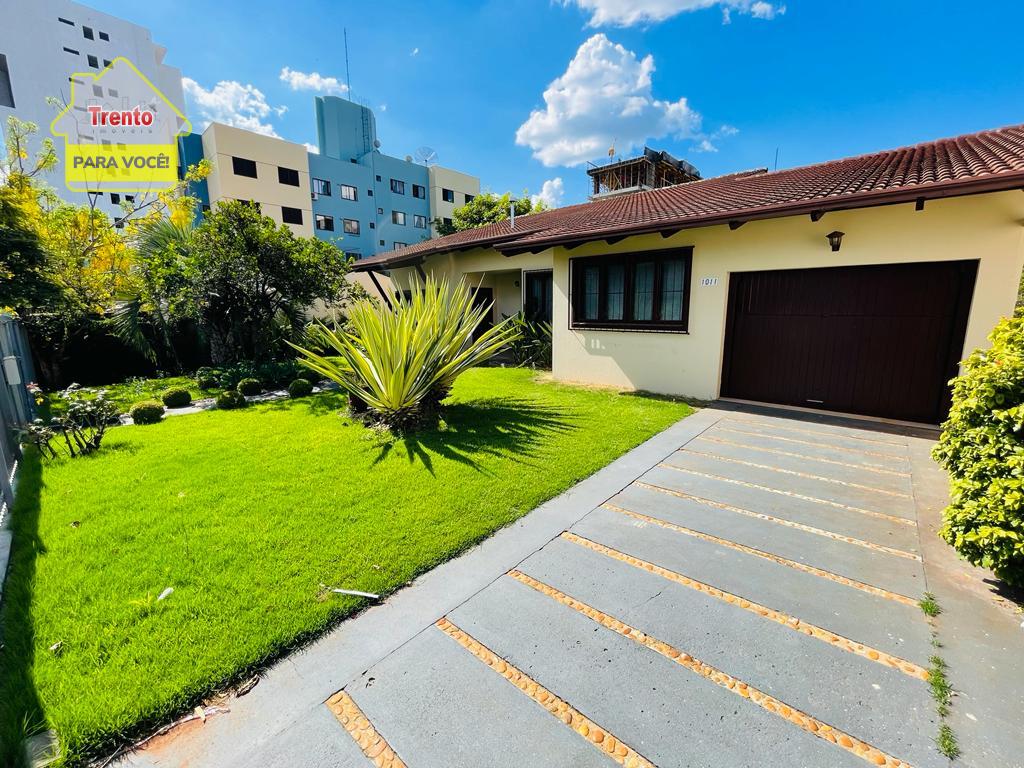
(739, 591)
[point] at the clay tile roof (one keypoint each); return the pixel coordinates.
(981, 162)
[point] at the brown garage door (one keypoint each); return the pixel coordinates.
(874, 340)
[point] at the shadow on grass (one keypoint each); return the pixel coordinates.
(494, 427)
(21, 713)
(320, 404)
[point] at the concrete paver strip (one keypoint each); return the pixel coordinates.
(741, 591)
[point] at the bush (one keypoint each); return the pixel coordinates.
(533, 347)
(249, 387)
(982, 447)
(230, 399)
(176, 397)
(402, 361)
(80, 425)
(207, 380)
(299, 388)
(146, 412)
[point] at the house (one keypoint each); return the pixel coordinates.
(853, 286)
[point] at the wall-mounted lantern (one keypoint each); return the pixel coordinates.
(835, 239)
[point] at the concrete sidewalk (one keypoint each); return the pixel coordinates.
(740, 590)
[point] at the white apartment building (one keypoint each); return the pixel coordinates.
(43, 42)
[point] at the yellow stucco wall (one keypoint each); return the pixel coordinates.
(989, 228)
(445, 178)
(222, 142)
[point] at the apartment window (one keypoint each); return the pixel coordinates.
(369, 193)
(348, 192)
(94, 62)
(447, 221)
(291, 215)
(380, 211)
(257, 206)
(372, 225)
(447, 195)
(288, 176)
(321, 187)
(130, 198)
(378, 178)
(400, 245)
(74, 53)
(206, 208)
(6, 92)
(115, 198)
(112, 92)
(243, 167)
(104, 36)
(381, 242)
(398, 187)
(106, 62)
(397, 217)
(643, 291)
(419, 221)
(97, 91)
(418, 190)
(324, 223)
(87, 33)
(65, 21)
(351, 227)
(470, 199)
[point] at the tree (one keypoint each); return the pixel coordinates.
(486, 208)
(250, 281)
(25, 279)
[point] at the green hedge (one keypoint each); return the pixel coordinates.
(146, 412)
(230, 399)
(982, 447)
(176, 397)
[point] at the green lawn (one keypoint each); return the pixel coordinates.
(245, 514)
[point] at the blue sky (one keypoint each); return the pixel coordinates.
(521, 92)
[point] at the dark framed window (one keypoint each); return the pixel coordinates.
(418, 190)
(397, 217)
(470, 199)
(87, 33)
(106, 62)
(324, 223)
(243, 167)
(381, 242)
(398, 187)
(378, 177)
(351, 226)
(288, 176)
(65, 21)
(372, 225)
(75, 53)
(448, 195)
(104, 36)
(419, 220)
(369, 193)
(348, 192)
(649, 290)
(93, 61)
(115, 198)
(447, 221)
(321, 187)
(291, 215)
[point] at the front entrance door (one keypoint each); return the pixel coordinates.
(484, 297)
(537, 296)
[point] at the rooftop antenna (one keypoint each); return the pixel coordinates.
(426, 155)
(512, 212)
(776, 158)
(348, 76)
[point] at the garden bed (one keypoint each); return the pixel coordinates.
(245, 515)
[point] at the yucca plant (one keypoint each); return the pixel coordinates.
(402, 361)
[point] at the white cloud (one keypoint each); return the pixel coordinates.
(709, 142)
(626, 13)
(312, 81)
(232, 103)
(414, 52)
(551, 193)
(311, 148)
(383, 107)
(603, 98)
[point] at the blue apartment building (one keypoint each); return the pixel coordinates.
(371, 201)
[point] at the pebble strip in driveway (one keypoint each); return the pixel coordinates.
(749, 600)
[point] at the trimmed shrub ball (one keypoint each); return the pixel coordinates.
(230, 399)
(207, 381)
(299, 388)
(177, 397)
(146, 412)
(249, 387)
(312, 378)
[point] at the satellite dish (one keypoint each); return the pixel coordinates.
(376, 143)
(426, 155)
